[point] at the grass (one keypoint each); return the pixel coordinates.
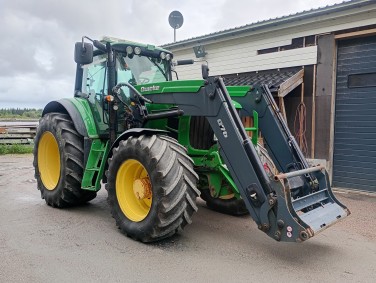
(16, 149)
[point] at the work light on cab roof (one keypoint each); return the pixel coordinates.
(137, 50)
(133, 48)
(129, 50)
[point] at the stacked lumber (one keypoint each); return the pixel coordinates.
(17, 132)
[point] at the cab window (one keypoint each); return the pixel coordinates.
(94, 79)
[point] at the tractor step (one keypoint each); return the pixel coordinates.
(93, 169)
(94, 165)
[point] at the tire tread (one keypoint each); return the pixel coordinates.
(68, 191)
(175, 187)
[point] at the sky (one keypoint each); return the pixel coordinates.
(38, 36)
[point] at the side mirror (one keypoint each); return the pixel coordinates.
(205, 71)
(83, 53)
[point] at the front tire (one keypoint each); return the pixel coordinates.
(59, 161)
(151, 187)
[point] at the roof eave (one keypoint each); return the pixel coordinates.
(265, 24)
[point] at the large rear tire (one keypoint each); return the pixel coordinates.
(59, 161)
(151, 187)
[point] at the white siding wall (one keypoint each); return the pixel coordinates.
(239, 54)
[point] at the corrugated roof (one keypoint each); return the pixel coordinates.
(345, 5)
(273, 78)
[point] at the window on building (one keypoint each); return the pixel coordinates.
(361, 80)
(298, 42)
(267, 50)
(295, 43)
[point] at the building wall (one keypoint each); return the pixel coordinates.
(240, 53)
(324, 92)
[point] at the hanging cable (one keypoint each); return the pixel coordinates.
(300, 127)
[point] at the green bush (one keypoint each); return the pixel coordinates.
(18, 113)
(15, 149)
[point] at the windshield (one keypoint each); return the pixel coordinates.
(140, 69)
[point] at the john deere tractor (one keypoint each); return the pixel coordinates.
(158, 143)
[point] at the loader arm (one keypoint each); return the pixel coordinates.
(289, 207)
(285, 153)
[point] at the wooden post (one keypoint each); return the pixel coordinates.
(248, 123)
(302, 118)
(313, 123)
(313, 130)
(282, 107)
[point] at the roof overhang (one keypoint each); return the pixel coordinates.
(272, 23)
(279, 82)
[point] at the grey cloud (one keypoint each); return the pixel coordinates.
(30, 90)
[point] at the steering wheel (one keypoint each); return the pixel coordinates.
(144, 80)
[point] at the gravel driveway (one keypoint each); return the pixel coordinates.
(82, 244)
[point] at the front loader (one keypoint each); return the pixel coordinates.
(158, 143)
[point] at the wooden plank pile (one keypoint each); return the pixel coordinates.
(17, 132)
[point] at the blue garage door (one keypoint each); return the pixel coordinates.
(354, 160)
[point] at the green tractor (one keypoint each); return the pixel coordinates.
(158, 143)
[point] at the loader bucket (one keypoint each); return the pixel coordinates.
(314, 211)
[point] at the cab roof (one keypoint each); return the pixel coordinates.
(124, 43)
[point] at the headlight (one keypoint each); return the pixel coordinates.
(137, 50)
(168, 57)
(163, 55)
(129, 50)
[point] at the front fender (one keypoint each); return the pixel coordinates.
(135, 132)
(79, 111)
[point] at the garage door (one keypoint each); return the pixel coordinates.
(354, 160)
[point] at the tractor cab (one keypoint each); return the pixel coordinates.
(117, 62)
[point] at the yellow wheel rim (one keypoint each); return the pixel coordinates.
(49, 160)
(133, 190)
